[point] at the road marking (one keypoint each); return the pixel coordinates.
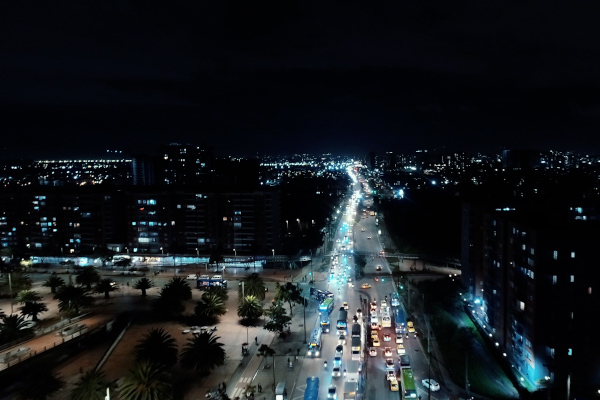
(237, 392)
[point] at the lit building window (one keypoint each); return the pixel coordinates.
(555, 254)
(572, 278)
(554, 279)
(572, 254)
(590, 290)
(570, 352)
(224, 218)
(521, 306)
(523, 247)
(532, 251)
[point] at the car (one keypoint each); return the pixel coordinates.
(332, 392)
(387, 337)
(376, 279)
(390, 374)
(341, 339)
(431, 384)
(400, 348)
(372, 351)
(373, 305)
(376, 342)
(410, 326)
(374, 334)
(378, 268)
(394, 385)
(365, 286)
(192, 277)
(374, 325)
(405, 361)
(369, 237)
(387, 352)
(389, 364)
(384, 303)
(350, 284)
(363, 229)
(345, 305)
(337, 360)
(337, 371)
(399, 338)
(359, 313)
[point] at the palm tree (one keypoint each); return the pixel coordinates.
(106, 286)
(72, 298)
(88, 276)
(14, 327)
(15, 281)
(253, 285)
(90, 386)
(219, 291)
(250, 308)
(146, 381)
(178, 288)
(210, 306)
(32, 309)
(203, 353)
(25, 296)
(289, 293)
(39, 383)
(53, 282)
(158, 347)
(143, 284)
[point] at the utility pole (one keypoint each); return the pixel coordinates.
(467, 372)
(243, 295)
(304, 308)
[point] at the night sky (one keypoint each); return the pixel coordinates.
(265, 77)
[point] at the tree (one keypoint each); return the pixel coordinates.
(279, 320)
(253, 286)
(104, 254)
(27, 296)
(87, 277)
(289, 293)
(72, 298)
(33, 309)
(143, 284)
(146, 381)
(250, 309)
(157, 347)
(203, 353)
(106, 286)
(14, 327)
(39, 383)
(360, 262)
(219, 291)
(210, 306)
(179, 288)
(90, 386)
(265, 351)
(53, 282)
(15, 281)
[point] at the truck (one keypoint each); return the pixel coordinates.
(356, 348)
(356, 330)
(351, 382)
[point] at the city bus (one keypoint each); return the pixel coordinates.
(319, 294)
(312, 388)
(342, 322)
(325, 323)
(386, 320)
(408, 384)
(314, 344)
(205, 281)
(395, 300)
(326, 306)
(400, 320)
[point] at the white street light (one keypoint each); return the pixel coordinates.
(273, 250)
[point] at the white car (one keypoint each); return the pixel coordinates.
(431, 384)
(342, 339)
(399, 339)
(401, 350)
(337, 371)
(388, 352)
(332, 392)
(373, 352)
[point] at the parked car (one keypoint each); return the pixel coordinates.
(373, 352)
(388, 352)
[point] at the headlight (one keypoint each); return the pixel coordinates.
(316, 353)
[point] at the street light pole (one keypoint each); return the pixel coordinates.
(304, 308)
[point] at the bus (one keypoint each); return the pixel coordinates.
(205, 281)
(312, 388)
(395, 300)
(326, 306)
(356, 348)
(386, 320)
(400, 320)
(314, 344)
(342, 321)
(325, 324)
(319, 294)
(408, 384)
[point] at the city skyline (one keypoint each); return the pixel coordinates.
(295, 78)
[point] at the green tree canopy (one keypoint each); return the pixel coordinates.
(143, 284)
(203, 353)
(33, 309)
(106, 286)
(250, 309)
(278, 318)
(90, 386)
(253, 286)
(158, 347)
(71, 299)
(87, 277)
(146, 381)
(289, 293)
(53, 282)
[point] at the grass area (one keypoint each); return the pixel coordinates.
(485, 375)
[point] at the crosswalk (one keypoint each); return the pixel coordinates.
(240, 387)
